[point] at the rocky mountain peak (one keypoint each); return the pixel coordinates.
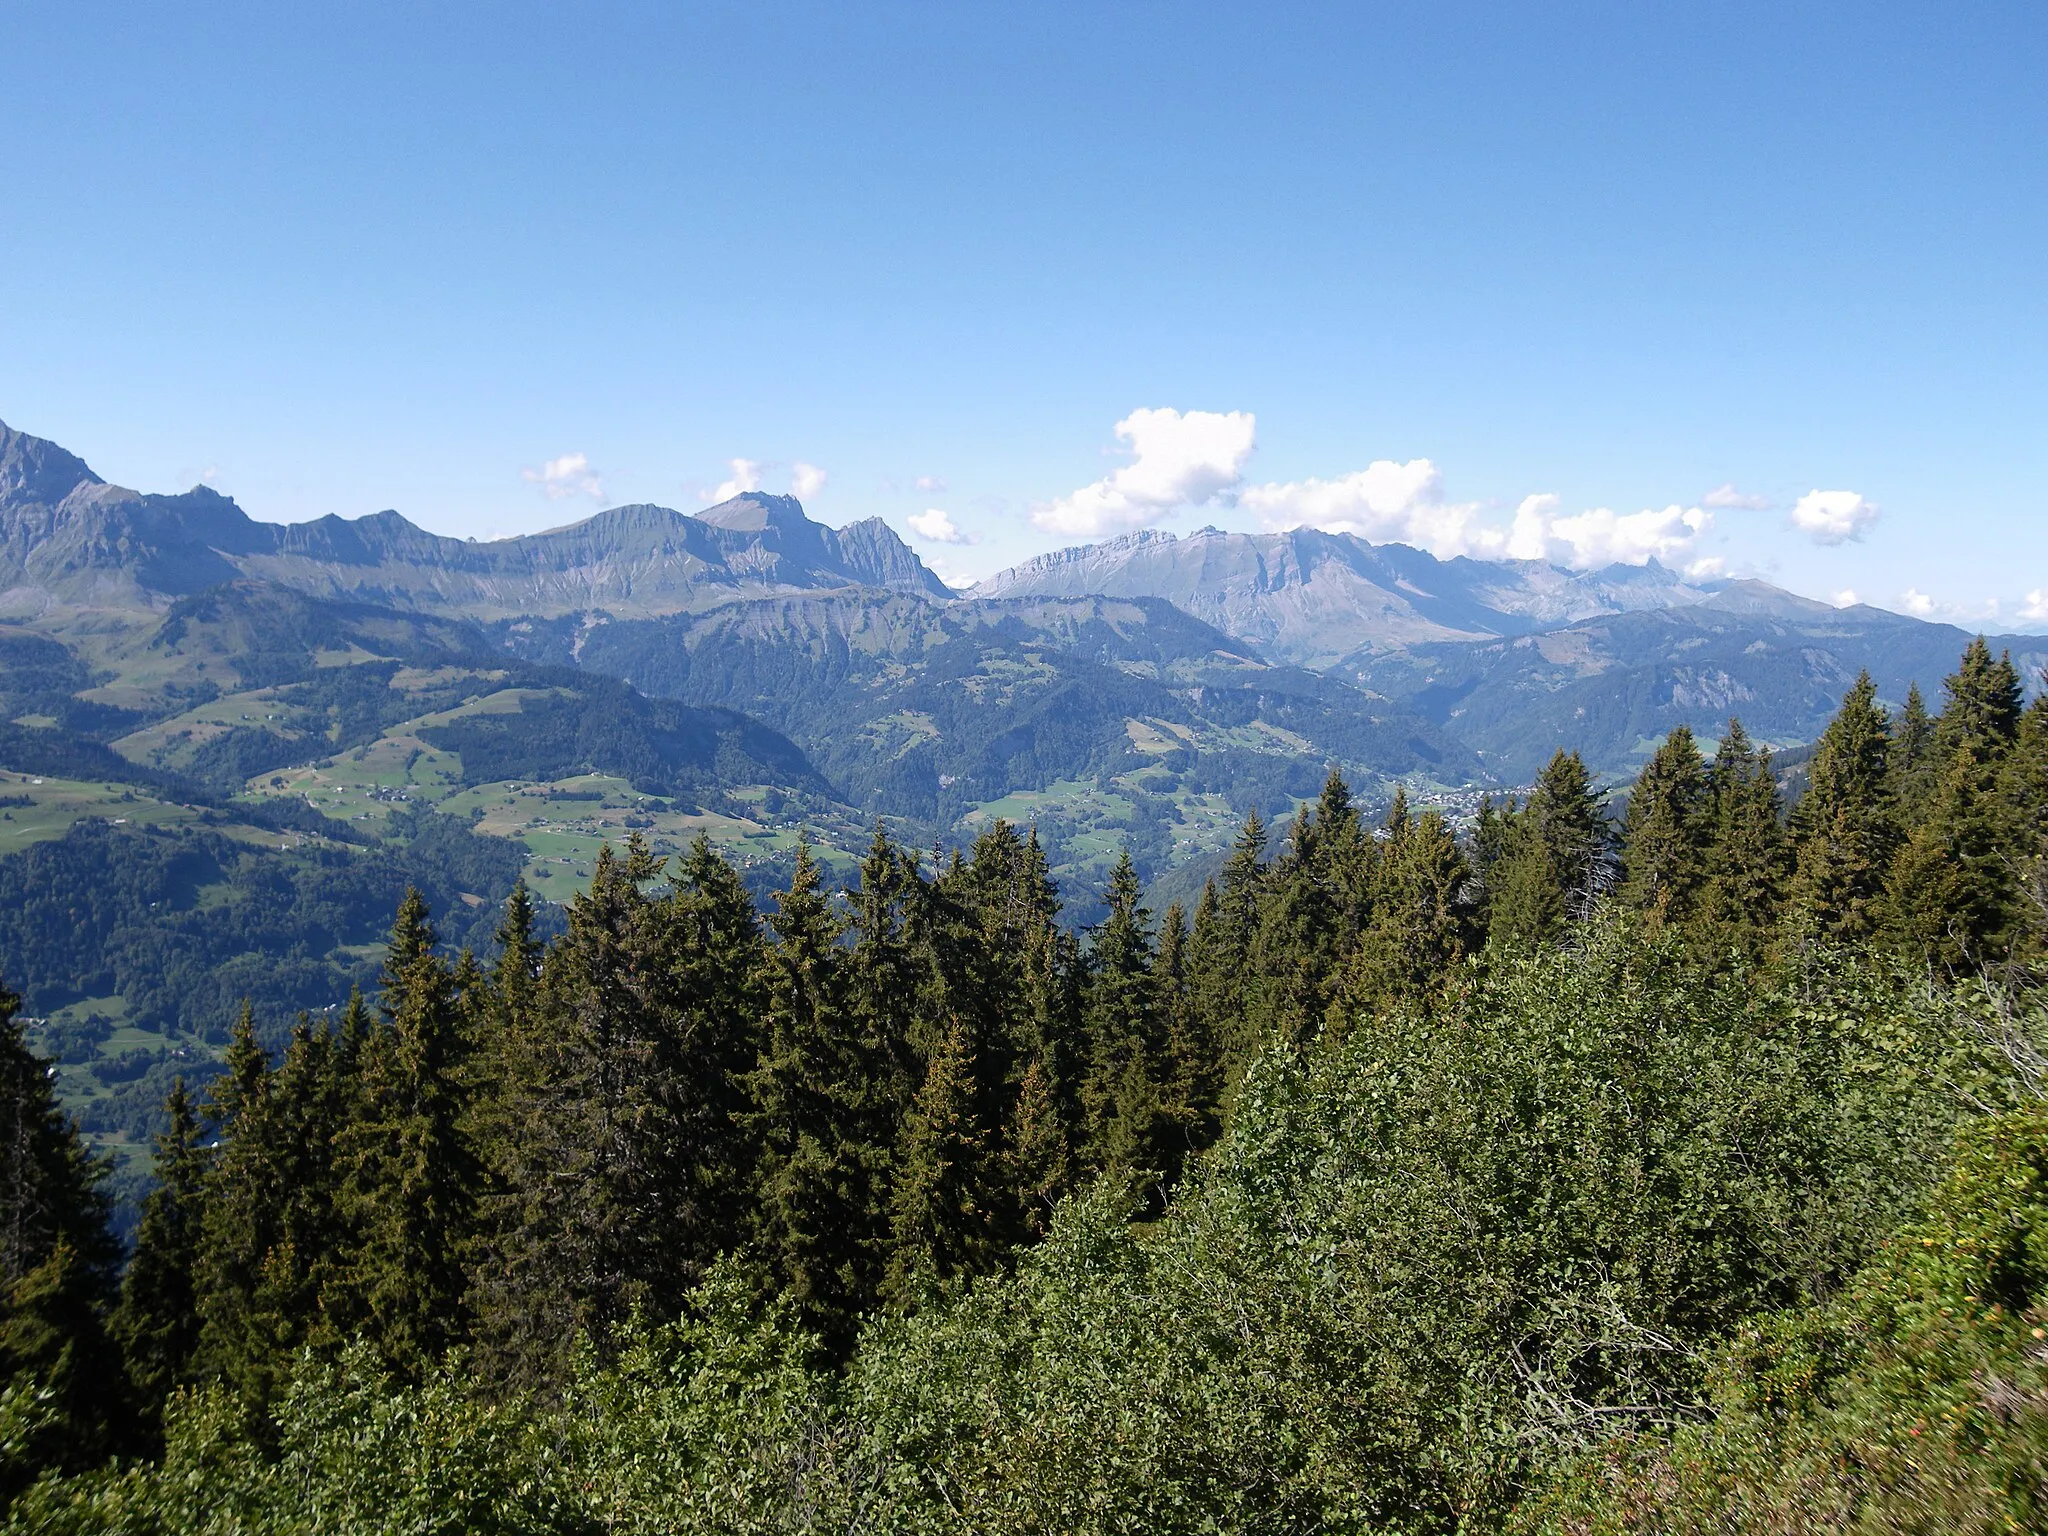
(755, 512)
(36, 472)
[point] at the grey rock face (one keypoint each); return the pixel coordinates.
(1312, 598)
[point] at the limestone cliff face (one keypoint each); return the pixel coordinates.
(70, 540)
(1312, 598)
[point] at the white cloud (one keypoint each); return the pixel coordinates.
(1405, 503)
(805, 480)
(936, 527)
(958, 577)
(1386, 501)
(1725, 495)
(931, 485)
(1918, 604)
(746, 476)
(1178, 460)
(2035, 610)
(1833, 517)
(1847, 598)
(570, 475)
(1185, 460)
(1602, 536)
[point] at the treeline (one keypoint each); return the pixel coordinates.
(1410, 1182)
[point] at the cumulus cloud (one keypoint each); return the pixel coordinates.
(1178, 460)
(1602, 536)
(1726, 496)
(1847, 598)
(2035, 609)
(1833, 517)
(1405, 503)
(1917, 603)
(936, 527)
(1185, 460)
(805, 480)
(746, 476)
(570, 475)
(1386, 501)
(931, 485)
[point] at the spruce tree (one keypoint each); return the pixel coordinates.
(1210, 963)
(157, 1320)
(1748, 856)
(1120, 1092)
(1189, 1079)
(1296, 956)
(276, 1251)
(500, 1049)
(940, 1222)
(1225, 947)
(411, 1177)
(1347, 864)
(1666, 834)
(241, 1224)
(1981, 706)
(1845, 827)
(2025, 796)
(57, 1260)
(1554, 861)
(1008, 973)
(897, 986)
(1037, 1154)
(821, 1213)
(626, 1163)
(716, 960)
(1422, 919)
(1048, 1030)
(1489, 844)
(1954, 895)
(1913, 762)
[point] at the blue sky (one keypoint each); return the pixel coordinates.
(499, 266)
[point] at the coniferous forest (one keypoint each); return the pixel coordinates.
(1675, 1161)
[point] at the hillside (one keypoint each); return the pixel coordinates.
(229, 805)
(1612, 687)
(1107, 722)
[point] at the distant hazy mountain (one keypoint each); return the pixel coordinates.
(1612, 687)
(68, 540)
(1313, 598)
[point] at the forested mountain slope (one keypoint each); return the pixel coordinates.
(225, 807)
(1685, 1174)
(1612, 687)
(940, 713)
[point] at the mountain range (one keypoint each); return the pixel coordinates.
(1212, 664)
(1315, 599)
(69, 541)
(233, 740)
